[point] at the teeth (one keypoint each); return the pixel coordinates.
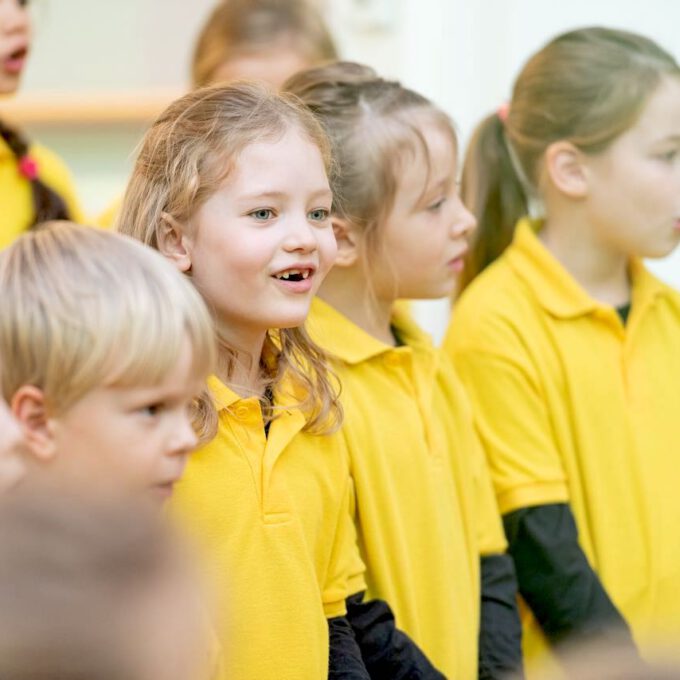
(285, 276)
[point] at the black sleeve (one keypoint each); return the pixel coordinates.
(557, 582)
(500, 629)
(389, 654)
(344, 659)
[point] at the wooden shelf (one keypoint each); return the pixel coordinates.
(86, 108)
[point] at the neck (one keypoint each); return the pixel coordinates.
(238, 362)
(599, 269)
(346, 290)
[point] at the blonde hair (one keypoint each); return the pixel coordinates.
(183, 160)
(238, 27)
(82, 308)
(372, 124)
(586, 86)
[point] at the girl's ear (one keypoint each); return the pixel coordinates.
(173, 243)
(566, 170)
(29, 409)
(347, 237)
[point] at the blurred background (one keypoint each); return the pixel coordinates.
(100, 71)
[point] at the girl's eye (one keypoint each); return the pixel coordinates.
(319, 215)
(262, 214)
(434, 207)
(669, 156)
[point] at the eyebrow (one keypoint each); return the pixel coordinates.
(319, 193)
(668, 138)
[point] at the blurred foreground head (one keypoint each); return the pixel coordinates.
(95, 591)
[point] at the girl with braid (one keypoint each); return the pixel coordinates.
(35, 186)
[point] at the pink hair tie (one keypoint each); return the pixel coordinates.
(28, 167)
(503, 111)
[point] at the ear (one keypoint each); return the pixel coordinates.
(565, 168)
(28, 407)
(347, 237)
(173, 243)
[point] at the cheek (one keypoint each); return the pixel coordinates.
(328, 249)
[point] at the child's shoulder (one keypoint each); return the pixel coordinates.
(496, 307)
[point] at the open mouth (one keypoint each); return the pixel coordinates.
(14, 63)
(294, 274)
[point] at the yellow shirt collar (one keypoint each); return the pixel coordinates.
(557, 291)
(348, 342)
(5, 151)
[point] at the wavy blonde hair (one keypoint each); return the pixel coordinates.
(82, 308)
(183, 160)
(238, 27)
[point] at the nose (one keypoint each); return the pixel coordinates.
(184, 439)
(464, 222)
(13, 17)
(300, 236)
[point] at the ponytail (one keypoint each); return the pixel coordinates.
(492, 190)
(47, 204)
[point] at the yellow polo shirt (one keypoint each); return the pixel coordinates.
(425, 508)
(16, 198)
(574, 407)
(271, 518)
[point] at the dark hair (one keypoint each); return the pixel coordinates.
(47, 204)
(587, 86)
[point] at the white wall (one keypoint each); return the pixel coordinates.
(461, 53)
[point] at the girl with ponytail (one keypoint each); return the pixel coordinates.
(569, 346)
(35, 186)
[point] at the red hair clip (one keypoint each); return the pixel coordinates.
(28, 167)
(503, 111)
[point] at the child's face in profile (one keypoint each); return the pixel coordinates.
(15, 38)
(12, 462)
(129, 439)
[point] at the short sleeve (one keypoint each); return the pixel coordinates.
(346, 569)
(514, 428)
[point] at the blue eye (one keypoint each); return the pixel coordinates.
(319, 215)
(262, 214)
(670, 156)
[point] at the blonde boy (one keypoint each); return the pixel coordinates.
(104, 348)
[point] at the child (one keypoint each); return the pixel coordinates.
(265, 40)
(568, 346)
(95, 589)
(104, 349)
(425, 509)
(34, 184)
(231, 186)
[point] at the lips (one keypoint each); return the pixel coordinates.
(14, 63)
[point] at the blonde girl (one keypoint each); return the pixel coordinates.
(425, 513)
(569, 346)
(231, 186)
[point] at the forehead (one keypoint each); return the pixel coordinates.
(660, 118)
(427, 158)
(273, 65)
(290, 162)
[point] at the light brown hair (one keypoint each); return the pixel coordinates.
(374, 127)
(587, 86)
(238, 27)
(183, 160)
